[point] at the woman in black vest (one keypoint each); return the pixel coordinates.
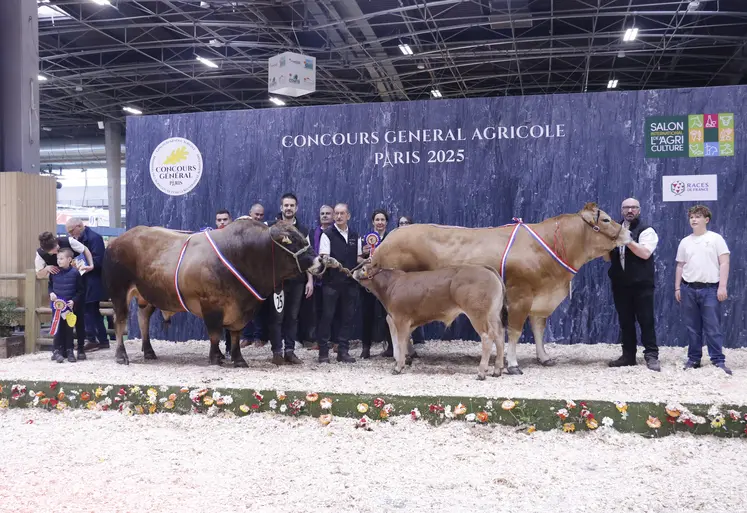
(374, 315)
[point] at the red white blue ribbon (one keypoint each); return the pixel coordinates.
(58, 307)
(222, 258)
(519, 223)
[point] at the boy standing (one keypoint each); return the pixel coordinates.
(700, 285)
(66, 286)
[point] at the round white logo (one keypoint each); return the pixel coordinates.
(176, 166)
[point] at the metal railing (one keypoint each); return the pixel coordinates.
(34, 316)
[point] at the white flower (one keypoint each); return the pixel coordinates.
(470, 417)
(227, 399)
(569, 403)
(624, 415)
(163, 388)
(608, 422)
(447, 412)
(216, 395)
(713, 411)
(161, 400)
(415, 413)
(283, 408)
(273, 404)
(489, 405)
(108, 389)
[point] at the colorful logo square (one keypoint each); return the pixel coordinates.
(696, 150)
(711, 121)
(726, 149)
(711, 149)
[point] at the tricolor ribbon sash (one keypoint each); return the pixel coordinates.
(60, 310)
(518, 223)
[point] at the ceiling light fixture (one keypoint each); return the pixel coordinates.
(132, 110)
(612, 84)
(102, 2)
(630, 34)
(277, 101)
(206, 62)
(42, 78)
(405, 49)
(436, 93)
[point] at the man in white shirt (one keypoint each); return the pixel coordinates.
(339, 292)
(632, 274)
(700, 287)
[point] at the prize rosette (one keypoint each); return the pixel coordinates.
(372, 240)
(58, 306)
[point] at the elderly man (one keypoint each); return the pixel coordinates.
(94, 287)
(632, 277)
(257, 212)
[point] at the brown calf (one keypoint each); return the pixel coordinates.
(416, 298)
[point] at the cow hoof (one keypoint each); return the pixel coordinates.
(240, 363)
(481, 377)
(550, 362)
(514, 371)
(150, 356)
(408, 361)
(216, 361)
(123, 360)
(395, 371)
(497, 374)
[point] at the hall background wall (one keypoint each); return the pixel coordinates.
(601, 158)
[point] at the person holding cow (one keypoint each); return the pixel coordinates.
(700, 286)
(94, 287)
(632, 276)
(339, 290)
(284, 323)
(45, 263)
(373, 312)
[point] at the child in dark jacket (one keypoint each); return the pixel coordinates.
(67, 286)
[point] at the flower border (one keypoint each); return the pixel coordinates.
(528, 415)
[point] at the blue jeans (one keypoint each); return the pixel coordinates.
(702, 316)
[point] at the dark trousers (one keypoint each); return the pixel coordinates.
(63, 339)
(80, 327)
(374, 325)
(254, 329)
(308, 317)
(284, 324)
(636, 304)
(338, 303)
(418, 336)
(701, 314)
(95, 322)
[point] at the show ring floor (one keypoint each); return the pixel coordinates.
(580, 393)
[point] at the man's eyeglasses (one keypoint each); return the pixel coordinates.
(631, 208)
(403, 223)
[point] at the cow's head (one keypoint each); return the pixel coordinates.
(605, 233)
(365, 272)
(290, 240)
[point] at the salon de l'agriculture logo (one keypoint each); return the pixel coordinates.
(694, 135)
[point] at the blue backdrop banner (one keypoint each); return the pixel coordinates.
(472, 162)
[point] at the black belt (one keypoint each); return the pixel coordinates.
(700, 285)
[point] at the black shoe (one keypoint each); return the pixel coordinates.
(82, 356)
(622, 362)
(323, 355)
(388, 352)
(724, 368)
(691, 365)
(71, 356)
(290, 357)
(344, 357)
(58, 357)
(366, 352)
(653, 364)
(277, 358)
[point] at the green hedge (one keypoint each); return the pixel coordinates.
(649, 419)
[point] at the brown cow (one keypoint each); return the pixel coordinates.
(142, 263)
(416, 298)
(536, 283)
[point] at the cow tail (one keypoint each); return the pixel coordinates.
(504, 307)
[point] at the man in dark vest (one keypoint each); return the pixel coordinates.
(632, 277)
(45, 263)
(285, 308)
(94, 286)
(339, 292)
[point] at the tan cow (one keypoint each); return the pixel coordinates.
(416, 298)
(536, 282)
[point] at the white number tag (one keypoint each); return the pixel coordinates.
(279, 301)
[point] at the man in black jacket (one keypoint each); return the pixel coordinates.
(632, 277)
(339, 292)
(283, 323)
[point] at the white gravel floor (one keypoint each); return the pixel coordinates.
(446, 368)
(104, 462)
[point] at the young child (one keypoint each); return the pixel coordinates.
(700, 285)
(66, 285)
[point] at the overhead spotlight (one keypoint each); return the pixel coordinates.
(204, 5)
(630, 34)
(132, 110)
(46, 129)
(612, 84)
(277, 101)
(206, 62)
(101, 125)
(42, 78)
(405, 49)
(436, 93)
(102, 2)
(694, 5)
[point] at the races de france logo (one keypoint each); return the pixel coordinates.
(677, 187)
(176, 166)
